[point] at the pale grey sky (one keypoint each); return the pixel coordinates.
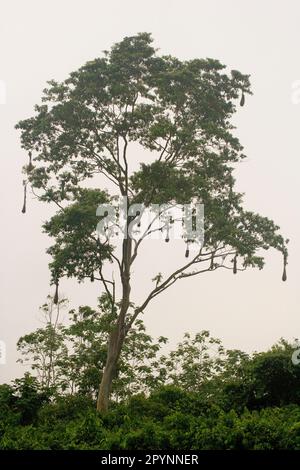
(42, 39)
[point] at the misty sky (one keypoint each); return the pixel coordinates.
(43, 40)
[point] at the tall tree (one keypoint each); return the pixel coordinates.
(179, 112)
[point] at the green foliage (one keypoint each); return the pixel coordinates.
(72, 423)
(181, 112)
(194, 361)
(276, 378)
(76, 251)
(200, 396)
(69, 358)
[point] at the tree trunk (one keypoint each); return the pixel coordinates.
(118, 334)
(114, 348)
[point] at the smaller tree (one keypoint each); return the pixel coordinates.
(67, 358)
(194, 362)
(44, 349)
(29, 397)
(276, 379)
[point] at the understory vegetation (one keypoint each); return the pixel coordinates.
(197, 396)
